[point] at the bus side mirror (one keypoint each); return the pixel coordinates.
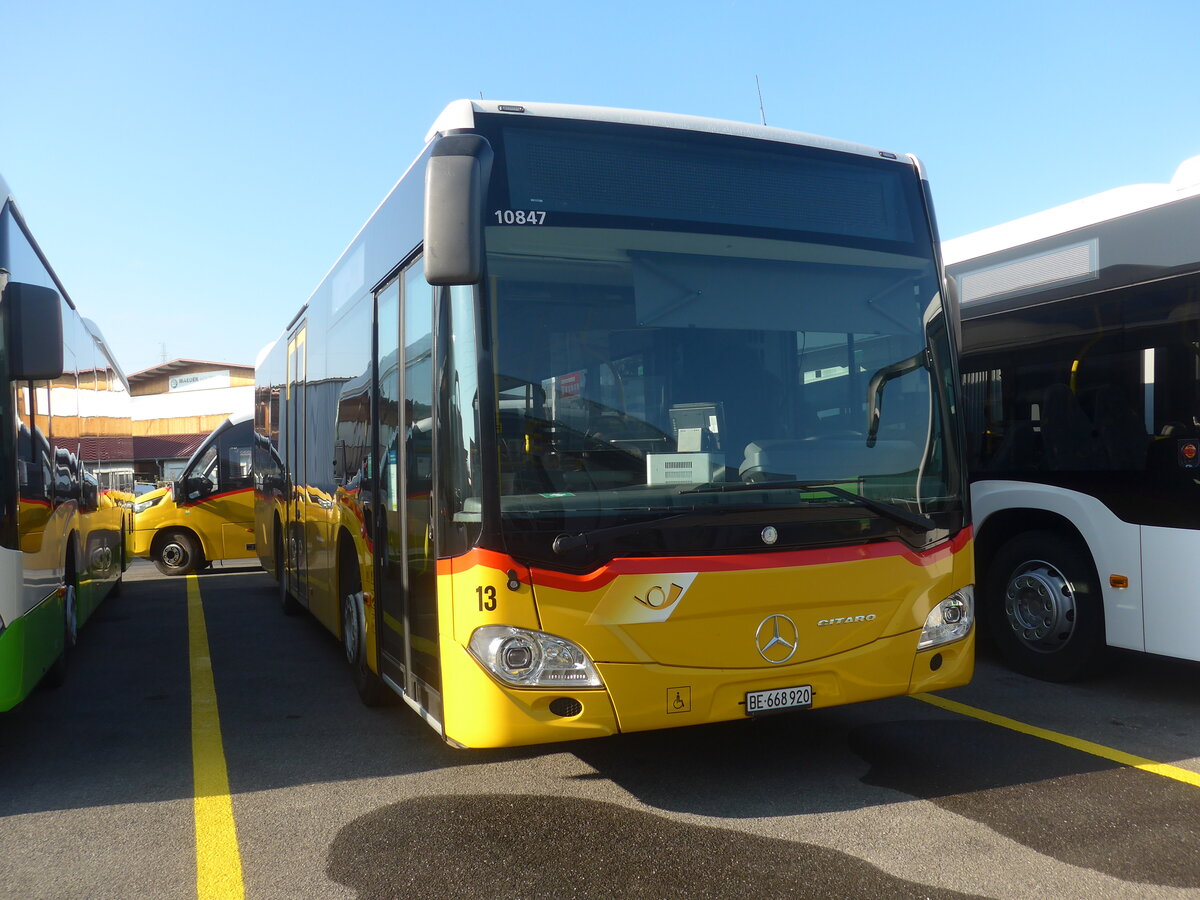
(89, 494)
(456, 182)
(35, 333)
(196, 487)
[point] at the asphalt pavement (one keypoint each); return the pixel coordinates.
(898, 798)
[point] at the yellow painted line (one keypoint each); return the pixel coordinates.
(218, 863)
(1117, 756)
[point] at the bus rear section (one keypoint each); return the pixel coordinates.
(613, 421)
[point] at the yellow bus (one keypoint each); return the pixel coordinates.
(66, 466)
(207, 514)
(609, 421)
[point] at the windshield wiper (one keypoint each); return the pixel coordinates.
(883, 508)
(717, 515)
(565, 543)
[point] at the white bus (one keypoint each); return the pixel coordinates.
(1081, 362)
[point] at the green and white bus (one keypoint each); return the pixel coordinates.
(66, 471)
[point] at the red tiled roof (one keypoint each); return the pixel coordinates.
(108, 448)
(166, 446)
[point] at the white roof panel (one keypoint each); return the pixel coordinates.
(1100, 207)
(461, 114)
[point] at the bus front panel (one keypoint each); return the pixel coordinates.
(686, 641)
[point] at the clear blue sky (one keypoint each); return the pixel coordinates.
(192, 171)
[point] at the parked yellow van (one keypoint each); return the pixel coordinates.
(207, 514)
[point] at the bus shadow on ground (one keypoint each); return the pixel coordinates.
(497, 845)
(824, 761)
(118, 729)
(1064, 803)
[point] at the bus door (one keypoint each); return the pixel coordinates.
(295, 497)
(408, 566)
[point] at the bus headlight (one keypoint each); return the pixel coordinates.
(950, 620)
(532, 658)
(143, 505)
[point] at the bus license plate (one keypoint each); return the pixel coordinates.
(780, 698)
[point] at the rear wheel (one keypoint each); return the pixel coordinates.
(115, 590)
(287, 602)
(71, 615)
(1044, 607)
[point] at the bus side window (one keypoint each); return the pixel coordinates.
(234, 468)
(200, 480)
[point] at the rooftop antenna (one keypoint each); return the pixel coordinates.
(762, 114)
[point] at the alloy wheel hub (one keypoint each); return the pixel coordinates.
(1039, 604)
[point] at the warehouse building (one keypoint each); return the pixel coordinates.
(176, 405)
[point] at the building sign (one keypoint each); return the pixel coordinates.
(199, 381)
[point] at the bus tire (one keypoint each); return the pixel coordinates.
(56, 675)
(118, 584)
(1044, 608)
(177, 553)
(287, 602)
(371, 689)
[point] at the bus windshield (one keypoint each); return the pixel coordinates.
(637, 356)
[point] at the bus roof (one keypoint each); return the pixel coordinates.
(264, 352)
(461, 114)
(1100, 207)
(98, 336)
(6, 197)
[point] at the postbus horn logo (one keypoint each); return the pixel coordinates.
(777, 639)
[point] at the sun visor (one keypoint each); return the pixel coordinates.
(674, 290)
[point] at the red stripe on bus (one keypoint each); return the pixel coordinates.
(735, 563)
(218, 496)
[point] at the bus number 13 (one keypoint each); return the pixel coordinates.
(487, 598)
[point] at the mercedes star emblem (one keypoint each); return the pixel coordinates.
(777, 639)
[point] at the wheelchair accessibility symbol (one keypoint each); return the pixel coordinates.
(679, 699)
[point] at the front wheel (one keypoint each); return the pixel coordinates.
(56, 675)
(1044, 607)
(178, 553)
(371, 689)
